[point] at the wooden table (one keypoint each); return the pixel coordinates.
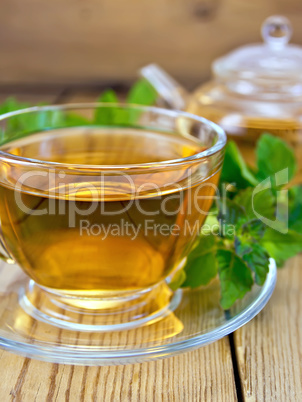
(259, 362)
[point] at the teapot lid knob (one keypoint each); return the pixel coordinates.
(276, 31)
(269, 63)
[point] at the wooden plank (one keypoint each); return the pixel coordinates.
(205, 374)
(269, 349)
(67, 41)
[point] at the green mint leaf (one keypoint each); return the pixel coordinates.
(201, 266)
(255, 256)
(13, 124)
(273, 155)
(142, 93)
(230, 217)
(235, 170)
(44, 120)
(211, 224)
(281, 246)
(75, 120)
(108, 96)
(106, 115)
(257, 204)
(24, 123)
(178, 279)
(203, 245)
(295, 209)
(235, 277)
(11, 104)
(253, 229)
(230, 212)
(200, 270)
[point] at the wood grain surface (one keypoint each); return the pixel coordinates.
(269, 349)
(262, 362)
(205, 374)
(72, 41)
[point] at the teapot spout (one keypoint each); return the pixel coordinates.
(174, 95)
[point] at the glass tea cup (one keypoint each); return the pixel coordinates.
(100, 205)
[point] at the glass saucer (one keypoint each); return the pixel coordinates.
(197, 321)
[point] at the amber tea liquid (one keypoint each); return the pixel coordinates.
(119, 245)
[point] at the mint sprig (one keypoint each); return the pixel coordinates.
(242, 256)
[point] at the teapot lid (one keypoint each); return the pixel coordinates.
(273, 60)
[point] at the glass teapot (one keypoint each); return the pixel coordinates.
(255, 89)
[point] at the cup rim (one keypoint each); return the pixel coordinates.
(36, 163)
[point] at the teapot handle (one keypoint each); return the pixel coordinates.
(170, 90)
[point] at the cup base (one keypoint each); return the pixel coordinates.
(98, 314)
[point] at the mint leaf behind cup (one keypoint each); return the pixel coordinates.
(274, 155)
(75, 120)
(29, 122)
(231, 213)
(257, 203)
(106, 115)
(142, 93)
(235, 170)
(178, 279)
(108, 96)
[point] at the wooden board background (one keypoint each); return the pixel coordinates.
(90, 41)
